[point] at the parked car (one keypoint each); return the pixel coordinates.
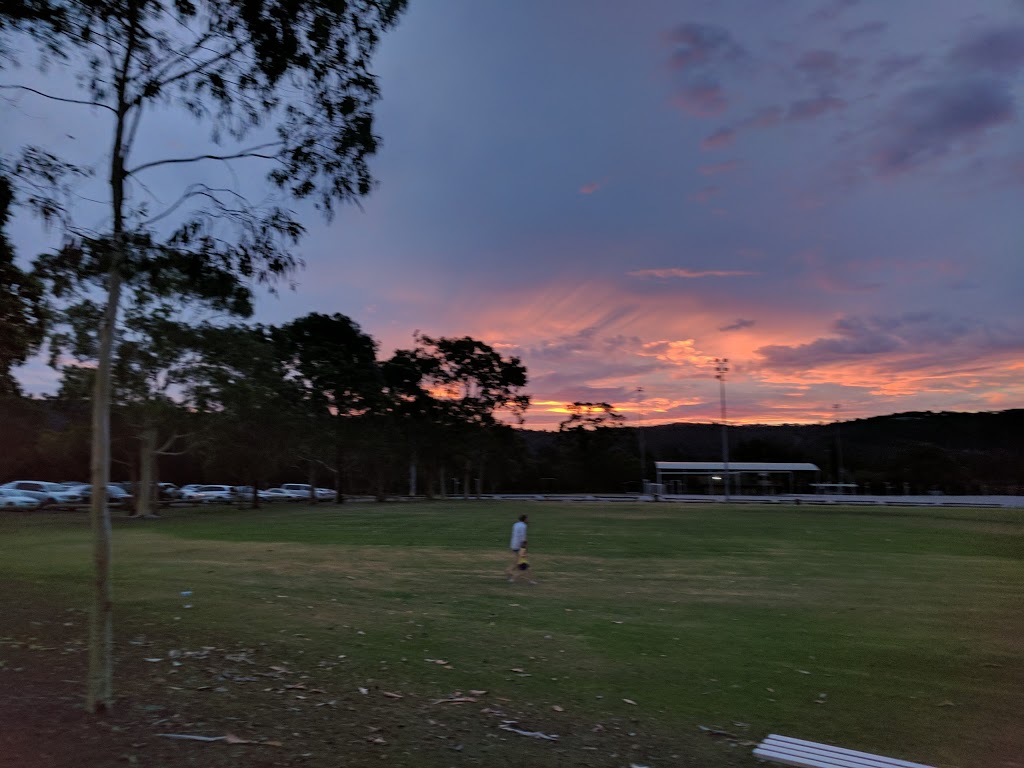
(244, 493)
(322, 494)
(189, 492)
(215, 494)
(11, 498)
(282, 494)
(49, 494)
(169, 491)
(116, 495)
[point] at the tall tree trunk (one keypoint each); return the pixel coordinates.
(412, 475)
(466, 474)
(312, 482)
(99, 696)
(100, 693)
(147, 458)
(339, 496)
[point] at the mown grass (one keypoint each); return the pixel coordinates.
(895, 631)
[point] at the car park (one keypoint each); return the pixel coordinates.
(12, 498)
(48, 494)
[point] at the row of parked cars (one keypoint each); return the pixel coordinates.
(211, 494)
(30, 494)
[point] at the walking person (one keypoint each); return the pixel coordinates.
(518, 546)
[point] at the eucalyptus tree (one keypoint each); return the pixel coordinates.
(250, 408)
(282, 83)
(335, 364)
(22, 308)
(464, 388)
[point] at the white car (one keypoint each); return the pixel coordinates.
(322, 494)
(189, 492)
(283, 494)
(215, 494)
(12, 498)
(48, 494)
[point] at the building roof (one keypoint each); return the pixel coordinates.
(734, 466)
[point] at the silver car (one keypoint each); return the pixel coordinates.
(12, 498)
(49, 494)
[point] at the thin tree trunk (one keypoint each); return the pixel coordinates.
(312, 483)
(147, 458)
(100, 693)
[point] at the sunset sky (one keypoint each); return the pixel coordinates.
(828, 193)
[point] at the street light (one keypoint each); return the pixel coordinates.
(721, 368)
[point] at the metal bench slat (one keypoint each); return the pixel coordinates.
(806, 757)
(809, 751)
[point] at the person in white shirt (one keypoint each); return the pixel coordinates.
(517, 543)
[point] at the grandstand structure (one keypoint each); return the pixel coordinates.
(761, 478)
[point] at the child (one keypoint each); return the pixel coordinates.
(522, 565)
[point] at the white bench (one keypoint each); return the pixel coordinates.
(808, 754)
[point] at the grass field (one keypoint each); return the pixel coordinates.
(898, 631)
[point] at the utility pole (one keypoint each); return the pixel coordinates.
(721, 368)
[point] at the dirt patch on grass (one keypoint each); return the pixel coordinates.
(259, 706)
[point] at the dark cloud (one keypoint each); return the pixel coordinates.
(867, 30)
(702, 98)
(999, 50)
(739, 325)
(800, 110)
(913, 333)
(808, 109)
(832, 10)
(701, 53)
(718, 139)
(699, 46)
(893, 66)
(928, 123)
(823, 67)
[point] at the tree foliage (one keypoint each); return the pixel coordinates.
(22, 305)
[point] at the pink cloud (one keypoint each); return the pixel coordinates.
(705, 194)
(689, 274)
(591, 188)
(717, 168)
(702, 99)
(723, 137)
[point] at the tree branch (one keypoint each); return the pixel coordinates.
(251, 152)
(61, 98)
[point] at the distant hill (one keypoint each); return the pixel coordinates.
(949, 451)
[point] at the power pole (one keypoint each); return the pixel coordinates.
(721, 368)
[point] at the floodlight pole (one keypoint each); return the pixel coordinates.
(839, 452)
(721, 368)
(640, 439)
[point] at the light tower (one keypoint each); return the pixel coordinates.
(640, 438)
(722, 368)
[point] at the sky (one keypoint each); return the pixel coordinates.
(826, 193)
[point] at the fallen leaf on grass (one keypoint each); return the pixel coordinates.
(713, 731)
(478, 693)
(531, 734)
(557, 708)
(630, 701)
(391, 695)
(945, 704)
(456, 700)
